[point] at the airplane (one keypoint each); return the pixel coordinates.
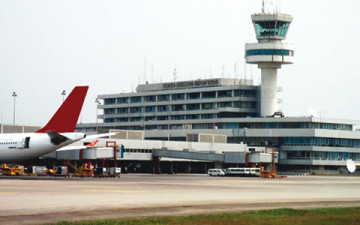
(57, 133)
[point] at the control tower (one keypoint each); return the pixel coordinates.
(269, 54)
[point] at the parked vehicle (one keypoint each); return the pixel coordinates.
(244, 172)
(216, 172)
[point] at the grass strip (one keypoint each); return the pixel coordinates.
(324, 216)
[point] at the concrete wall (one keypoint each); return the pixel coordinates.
(17, 129)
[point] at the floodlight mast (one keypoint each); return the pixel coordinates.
(269, 54)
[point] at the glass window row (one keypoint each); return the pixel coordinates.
(270, 52)
(317, 141)
(271, 28)
(181, 96)
(323, 155)
(180, 107)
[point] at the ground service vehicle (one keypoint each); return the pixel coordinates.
(244, 172)
(216, 172)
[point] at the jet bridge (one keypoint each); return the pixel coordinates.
(226, 157)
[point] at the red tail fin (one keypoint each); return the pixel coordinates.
(66, 117)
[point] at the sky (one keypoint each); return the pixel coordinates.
(50, 46)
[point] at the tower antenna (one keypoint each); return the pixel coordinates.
(223, 71)
(152, 74)
(174, 73)
(144, 74)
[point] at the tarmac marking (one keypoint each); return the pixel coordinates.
(7, 193)
(112, 191)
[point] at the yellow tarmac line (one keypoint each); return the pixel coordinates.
(112, 191)
(7, 193)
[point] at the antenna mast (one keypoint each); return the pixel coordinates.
(174, 73)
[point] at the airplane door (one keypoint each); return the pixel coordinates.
(27, 142)
(24, 143)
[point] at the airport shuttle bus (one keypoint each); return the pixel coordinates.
(244, 172)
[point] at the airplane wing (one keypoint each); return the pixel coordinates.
(92, 144)
(67, 148)
(94, 136)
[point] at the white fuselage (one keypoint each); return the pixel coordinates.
(25, 146)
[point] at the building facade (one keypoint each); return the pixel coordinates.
(243, 112)
(172, 111)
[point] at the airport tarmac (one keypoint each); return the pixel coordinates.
(44, 200)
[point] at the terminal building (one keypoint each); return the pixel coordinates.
(229, 111)
(236, 111)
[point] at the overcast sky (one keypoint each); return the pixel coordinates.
(50, 46)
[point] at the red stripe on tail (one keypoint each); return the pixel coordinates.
(66, 117)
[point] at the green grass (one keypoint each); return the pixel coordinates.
(326, 216)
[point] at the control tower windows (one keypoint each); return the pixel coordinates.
(271, 28)
(270, 52)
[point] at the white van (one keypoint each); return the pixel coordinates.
(216, 172)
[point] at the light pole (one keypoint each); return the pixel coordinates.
(14, 95)
(97, 109)
(63, 93)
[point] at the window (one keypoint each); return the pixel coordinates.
(163, 108)
(207, 116)
(271, 28)
(193, 95)
(135, 119)
(244, 93)
(109, 111)
(210, 105)
(150, 118)
(135, 110)
(109, 120)
(109, 101)
(211, 94)
(151, 98)
(122, 110)
(177, 97)
(177, 107)
(224, 104)
(192, 117)
(224, 94)
(150, 109)
(136, 99)
(203, 126)
(122, 100)
(122, 120)
(270, 52)
(192, 106)
(178, 117)
(162, 98)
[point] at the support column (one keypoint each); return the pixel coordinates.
(268, 89)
